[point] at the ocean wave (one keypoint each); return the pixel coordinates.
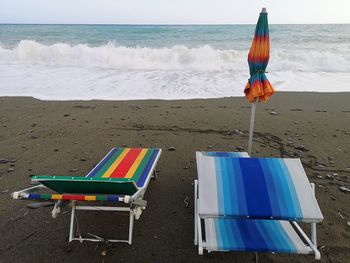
(203, 58)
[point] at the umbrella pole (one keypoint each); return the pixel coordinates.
(251, 127)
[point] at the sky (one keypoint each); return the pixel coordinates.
(173, 11)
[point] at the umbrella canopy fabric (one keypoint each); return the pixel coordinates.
(258, 86)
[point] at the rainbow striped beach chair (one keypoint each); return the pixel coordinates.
(121, 176)
(254, 204)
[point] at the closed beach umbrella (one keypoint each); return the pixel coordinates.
(258, 88)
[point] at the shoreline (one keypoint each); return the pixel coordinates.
(70, 137)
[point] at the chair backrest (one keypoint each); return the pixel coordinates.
(261, 188)
(84, 185)
(132, 163)
(223, 154)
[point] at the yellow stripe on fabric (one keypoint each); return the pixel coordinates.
(56, 197)
(116, 163)
(136, 164)
(90, 198)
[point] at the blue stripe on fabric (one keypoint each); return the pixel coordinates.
(284, 197)
(147, 168)
(220, 186)
(283, 236)
(97, 168)
(274, 234)
(218, 231)
(273, 186)
(112, 198)
(238, 236)
(258, 202)
(227, 186)
(294, 196)
(225, 237)
(237, 178)
(252, 235)
(34, 196)
(230, 236)
(283, 191)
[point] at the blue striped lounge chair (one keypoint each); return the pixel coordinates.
(253, 204)
(122, 176)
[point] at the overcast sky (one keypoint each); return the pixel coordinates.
(173, 11)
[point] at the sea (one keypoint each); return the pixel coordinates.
(127, 62)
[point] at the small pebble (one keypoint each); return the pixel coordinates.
(9, 170)
(300, 148)
(344, 189)
(172, 148)
(73, 170)
(239, 148)
(83, 159)
(2, 160)
(329, 176)
(273, 113)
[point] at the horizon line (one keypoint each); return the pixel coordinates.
(155, 24)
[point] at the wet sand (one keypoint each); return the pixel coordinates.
(69, 138)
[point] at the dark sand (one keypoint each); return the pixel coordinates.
(56, 137)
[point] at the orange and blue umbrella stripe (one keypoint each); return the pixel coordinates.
(133, 163)
(258, 86)
(66, 197)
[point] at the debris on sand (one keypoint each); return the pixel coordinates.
(344, 189)
(39, 204)
(239, 148)
(3, 160)
(186, 201)
(172, 148)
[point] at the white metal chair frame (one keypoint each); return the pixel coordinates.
(136, 205)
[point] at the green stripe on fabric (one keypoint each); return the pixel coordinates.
(46, 178)
(142, 165)
(109, 163)
(101, 198)
(46, 196)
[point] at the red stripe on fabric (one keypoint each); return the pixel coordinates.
(122, 169)
(73, 197)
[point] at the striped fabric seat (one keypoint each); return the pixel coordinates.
(253, 235)
(123, 171)
(257, 188)
(131, 163)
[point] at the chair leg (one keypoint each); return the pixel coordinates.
(313, 225)
(154, 175)
(195, 213)
(131, 226)
(71, 229)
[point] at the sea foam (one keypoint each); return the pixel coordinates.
(63, 72)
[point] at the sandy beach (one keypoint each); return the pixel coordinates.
(70, 137)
